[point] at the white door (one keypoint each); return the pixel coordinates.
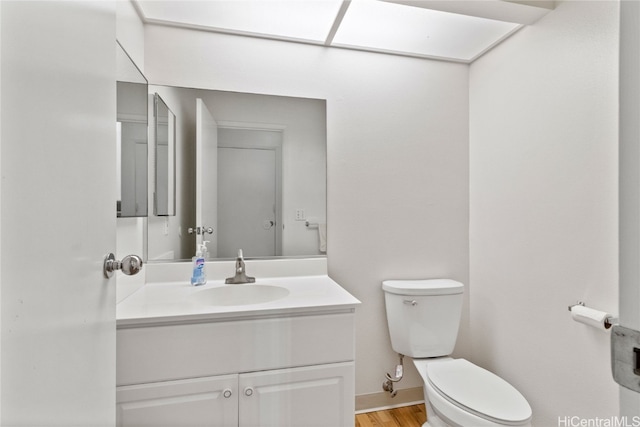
(246, 201)
(629, 291)
(312, 396)
(206, 175)
(57, 213)
(202, 402)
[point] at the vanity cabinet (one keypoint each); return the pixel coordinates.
(295, 370)
(308, 396)
(194, 402)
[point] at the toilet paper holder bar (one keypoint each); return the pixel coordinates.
(578, 303)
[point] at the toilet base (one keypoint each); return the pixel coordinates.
(433, 420)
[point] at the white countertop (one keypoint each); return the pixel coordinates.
(179, 302)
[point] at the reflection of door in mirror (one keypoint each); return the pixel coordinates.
(206, 176)
(164, 195)
(249, 192)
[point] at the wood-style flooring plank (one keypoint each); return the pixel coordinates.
(406, 416)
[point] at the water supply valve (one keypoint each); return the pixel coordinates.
(388, 384)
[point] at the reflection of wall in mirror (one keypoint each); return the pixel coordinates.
(304, 163)
(133, 169)
(132, 149)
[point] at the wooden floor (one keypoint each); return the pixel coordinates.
(407, 416)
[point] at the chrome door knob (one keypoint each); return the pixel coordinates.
(227, 393)
(248, 391)
(130, 265)
(200, 230)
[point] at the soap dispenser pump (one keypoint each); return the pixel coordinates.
(205, 250)
(199, 277)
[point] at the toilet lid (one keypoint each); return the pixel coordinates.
(423, 287)
(478, 390)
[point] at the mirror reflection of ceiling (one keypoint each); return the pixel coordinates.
(452, 30)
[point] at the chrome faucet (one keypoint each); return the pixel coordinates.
(241, 274)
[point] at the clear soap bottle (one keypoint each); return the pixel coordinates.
(199, 276)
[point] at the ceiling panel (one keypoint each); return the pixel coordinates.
(401, 27)
(308, 20)
(393, 27)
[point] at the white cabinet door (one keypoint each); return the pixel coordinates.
(310, 396)
(203, 402)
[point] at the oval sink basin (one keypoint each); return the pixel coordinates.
(239, 295)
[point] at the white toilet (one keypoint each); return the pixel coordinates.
(423, 318)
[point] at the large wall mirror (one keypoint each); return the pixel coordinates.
(132, 147)
(250, 174)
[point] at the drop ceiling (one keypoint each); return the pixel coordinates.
(452, 30)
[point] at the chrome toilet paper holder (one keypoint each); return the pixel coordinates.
(609, 321)
(578, 303)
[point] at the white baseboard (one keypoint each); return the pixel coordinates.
(383, 400)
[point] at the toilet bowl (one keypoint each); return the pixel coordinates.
(459, 393)
(423, 318)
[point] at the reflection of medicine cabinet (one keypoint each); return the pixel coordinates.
(165, 163)
(132, 152)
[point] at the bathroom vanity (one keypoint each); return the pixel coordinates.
(276, 353)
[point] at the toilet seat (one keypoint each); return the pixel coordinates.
(478, 391)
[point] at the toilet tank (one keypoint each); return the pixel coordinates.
(423, 315)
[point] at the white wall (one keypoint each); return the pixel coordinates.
(543, 159)
(130, 231)
(130, 31)
(397, 134)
